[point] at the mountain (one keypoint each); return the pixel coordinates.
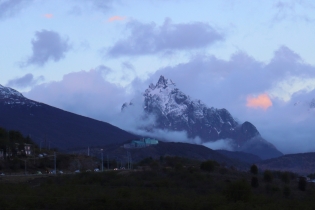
(53, 126)
(176, 111)
(302, 163)
(241, 156)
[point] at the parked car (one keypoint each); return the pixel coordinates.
(52, 172)
(89, 170)
(38, 172)
(77, 171)
(2, 174)
(96, 170)
(60, 172)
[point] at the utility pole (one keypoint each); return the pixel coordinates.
(102, 161)
(34, 152)
(55, 162)
(107, 163)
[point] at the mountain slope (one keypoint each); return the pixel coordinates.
(302, 163)
(179, 149)
(176, 111)
(61, 128)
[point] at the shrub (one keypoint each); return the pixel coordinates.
(254, 169)
(302, 183)
(286, 191)
(268, 177)
(238, 191)
(208, 165)
(285, 177)
(254, 182)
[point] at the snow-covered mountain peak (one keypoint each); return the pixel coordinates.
(6, 92)
(176, 111)
(9, 96)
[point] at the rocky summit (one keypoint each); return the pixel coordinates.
(176, 111)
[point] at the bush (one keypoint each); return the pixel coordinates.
(285, 177)
(238, 191)
(208, 165)
(302, 183)
(254, 169)
(286, 191)
(254, 182)
(268, 177)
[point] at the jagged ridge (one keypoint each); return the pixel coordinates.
(176, 111)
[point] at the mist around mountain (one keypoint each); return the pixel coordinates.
(167, 109)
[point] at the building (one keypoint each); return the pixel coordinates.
(141, 143)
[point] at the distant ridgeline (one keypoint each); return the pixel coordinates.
(13, 143)
(140, 143)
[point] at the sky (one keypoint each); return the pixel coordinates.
(256, 59)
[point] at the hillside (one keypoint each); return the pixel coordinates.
(302, 163)
(59, 128)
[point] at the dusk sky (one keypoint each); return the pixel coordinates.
(256, 59)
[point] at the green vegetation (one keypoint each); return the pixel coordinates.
(12, 143)
(268, 176)
(254, 169)
(164, 183)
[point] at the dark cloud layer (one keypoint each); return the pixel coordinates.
(47, 45)
(150, 38)
(27, 80)
(9, 8)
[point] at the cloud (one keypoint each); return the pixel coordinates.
(285, 80)
(261, 101)
(47, 45)
(48, 16)
(151, 39)
(116, 18)
(288, 124)
(103, 5)
(291, 10)
(10, 8)
(85, 92)
(81, 6)
(27, 80)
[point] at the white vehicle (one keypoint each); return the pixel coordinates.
(96, 170)
(77, 171)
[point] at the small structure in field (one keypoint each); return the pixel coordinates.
(141, 143)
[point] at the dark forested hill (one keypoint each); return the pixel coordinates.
(49, 124)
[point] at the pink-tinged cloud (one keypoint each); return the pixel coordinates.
(262, 101)
(116, 18)
(48, 16)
